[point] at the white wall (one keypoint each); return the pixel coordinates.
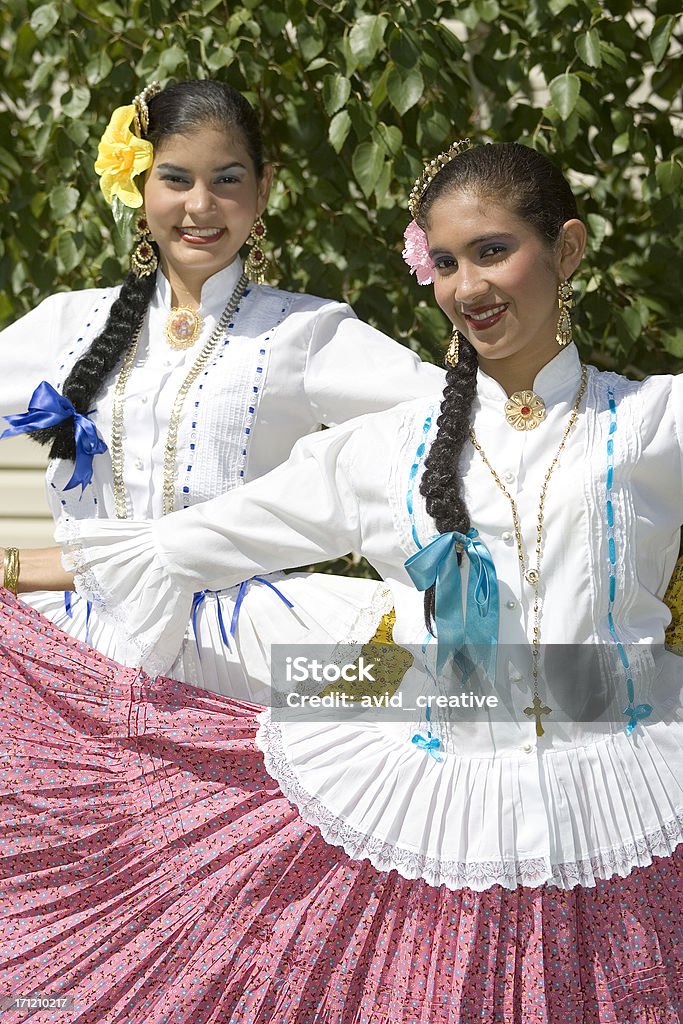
(24, 517)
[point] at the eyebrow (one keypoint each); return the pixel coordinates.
(494, 236)
(216, 170)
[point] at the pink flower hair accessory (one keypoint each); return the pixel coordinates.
(416, 253)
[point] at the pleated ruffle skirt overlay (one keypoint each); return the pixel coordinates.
(153, 872)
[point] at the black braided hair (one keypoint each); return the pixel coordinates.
(531, 186)
(441, 485)
(179, 109)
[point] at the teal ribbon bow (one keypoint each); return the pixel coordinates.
(470, 636)
(635, 714)
(430, 744)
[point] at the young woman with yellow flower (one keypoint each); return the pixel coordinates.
(188, 380)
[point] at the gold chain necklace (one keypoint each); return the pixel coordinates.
(533, 576)
(117, 460)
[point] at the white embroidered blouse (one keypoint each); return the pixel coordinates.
(504, 806)
(287, 364)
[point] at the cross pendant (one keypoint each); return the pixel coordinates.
(537, 709)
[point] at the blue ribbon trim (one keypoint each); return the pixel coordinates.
(430, 744)
(47, 408)
(198, 600)
(70, 613)
(242, 593)
(635, 714)
(470, 636)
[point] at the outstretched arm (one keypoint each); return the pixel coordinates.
(143, 575)
(39, 569)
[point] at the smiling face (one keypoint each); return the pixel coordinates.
(202, 196)
(496, 280)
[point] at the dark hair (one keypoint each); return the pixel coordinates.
(182, 108)
(531, 186)
(179, 109)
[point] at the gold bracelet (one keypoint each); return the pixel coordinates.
(12, 569)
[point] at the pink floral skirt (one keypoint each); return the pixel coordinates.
(152, 872)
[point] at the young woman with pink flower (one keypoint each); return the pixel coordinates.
(179, 856)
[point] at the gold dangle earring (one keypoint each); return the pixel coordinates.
(565, 302)
(256, 263)
(452, 356)
(143, 259)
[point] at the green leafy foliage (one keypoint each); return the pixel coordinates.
(354, 95)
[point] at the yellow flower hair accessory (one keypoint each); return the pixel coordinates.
(121, 156)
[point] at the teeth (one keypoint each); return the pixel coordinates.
(201, 232)
(487, 314)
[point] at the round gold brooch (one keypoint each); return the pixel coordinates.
(524, 410)
(183, 327)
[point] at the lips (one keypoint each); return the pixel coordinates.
(485, 316)
(200, 236)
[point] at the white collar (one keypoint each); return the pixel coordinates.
(216, 290)
(554, 382)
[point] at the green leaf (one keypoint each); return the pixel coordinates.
(669, 177)
(221, 58)
(109, 9)
(76, 101)
(367, 163)
(98, 68)
(64, 200)
(621, 144)
(488, 10)
(336, 91)
(310, 38)
(379, 92)
(319, 62)
(78, 131)
(274, 21)
(404, 88)
(366, 37)
(41, 75)
(339, 129)
(661, 37)
(635, 318)
(391, 137)
(9, 162)
(67, 251)
(44, 19)
(564, 92)
(403, 50)
(613, 56)
(588, 48)
(171, 59)
(382, 196)
(673, 342)
(599, 227)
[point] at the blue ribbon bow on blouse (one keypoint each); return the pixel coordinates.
(472, 635)
(47, 408)
(200, 597)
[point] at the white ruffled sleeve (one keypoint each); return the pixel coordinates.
(143, 575)
(37, 346)
(353, 369)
